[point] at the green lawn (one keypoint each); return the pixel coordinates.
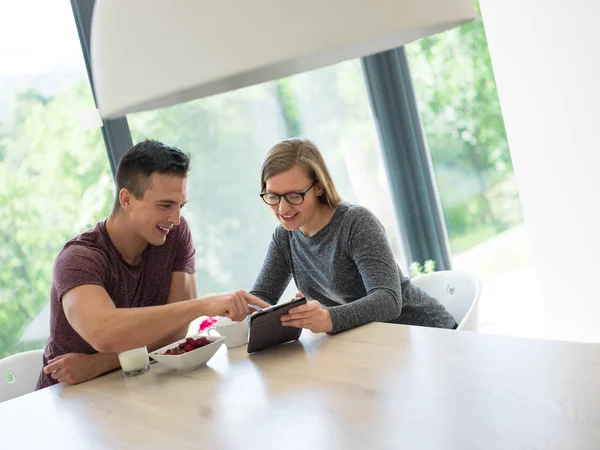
(464, 242)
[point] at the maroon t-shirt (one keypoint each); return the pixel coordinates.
(91, 258)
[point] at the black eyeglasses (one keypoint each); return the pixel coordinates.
(293, 198)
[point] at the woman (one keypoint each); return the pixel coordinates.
(337, 253)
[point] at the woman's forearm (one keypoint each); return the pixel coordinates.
(380, 306)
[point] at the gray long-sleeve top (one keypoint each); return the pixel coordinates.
(349, 268)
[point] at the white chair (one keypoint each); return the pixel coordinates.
(458, 291)
(19, 374)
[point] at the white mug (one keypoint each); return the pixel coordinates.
(235, 333)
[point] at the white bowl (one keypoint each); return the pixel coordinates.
(189, 360)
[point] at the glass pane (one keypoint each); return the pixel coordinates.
(462, 120)
(56, 180)
(334, 111)
(228, 136)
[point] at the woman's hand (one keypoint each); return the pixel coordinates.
(311, 316)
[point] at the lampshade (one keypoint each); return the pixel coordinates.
(149, 54)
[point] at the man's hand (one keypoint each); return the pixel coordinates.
(312, 316)
(75, 368)
(235, 305)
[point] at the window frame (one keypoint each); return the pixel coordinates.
(405, 153)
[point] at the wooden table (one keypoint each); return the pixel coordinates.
(379, 386)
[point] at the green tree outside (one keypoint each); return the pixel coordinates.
(56, 181)
(460, 110)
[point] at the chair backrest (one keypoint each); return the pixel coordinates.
(458, 291)
(19, 374)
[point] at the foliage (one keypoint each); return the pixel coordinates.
(227, 136)
(55, 180)
(55, 183)
(459, 105)
(416, 269)
(289, 110)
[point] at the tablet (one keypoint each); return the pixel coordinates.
(265, 329)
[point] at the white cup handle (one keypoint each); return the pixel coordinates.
(212, 329)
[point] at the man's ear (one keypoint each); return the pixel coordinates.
(125, 198)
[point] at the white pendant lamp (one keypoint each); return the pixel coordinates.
(149, 54)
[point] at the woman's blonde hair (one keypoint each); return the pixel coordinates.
(300, 151)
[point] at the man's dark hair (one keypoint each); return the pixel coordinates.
(141, 161)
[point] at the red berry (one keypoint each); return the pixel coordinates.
(189, 348)
(201, 342)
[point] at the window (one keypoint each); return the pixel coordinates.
(228, 136)
(456, 93)
(334, 110)
(55, 175)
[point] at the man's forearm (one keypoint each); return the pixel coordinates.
(179, 334)
(105, 362)
(136, 327)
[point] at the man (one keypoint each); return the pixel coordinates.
(129, 281)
